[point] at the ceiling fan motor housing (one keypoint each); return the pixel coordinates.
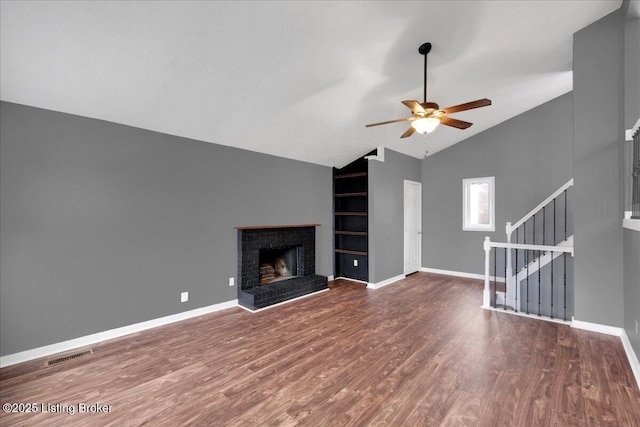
(430, 106)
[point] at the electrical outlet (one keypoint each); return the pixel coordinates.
(637, 332)
(232, 281)
(355, 262)
(184, 296)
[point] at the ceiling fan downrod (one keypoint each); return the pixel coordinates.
(424, 49)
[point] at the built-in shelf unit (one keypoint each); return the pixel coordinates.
(350, 185)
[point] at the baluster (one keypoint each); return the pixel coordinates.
(534, 257)
(526, 262)
(565, 215)
(564, 257)
(539, 293)
(516, 275)
(553, 253)
(635, 175)
(552, 261)
(544, 226)
(564, 267)
(495, 278)
(505, 278)
(554, 222)
(534, 229)
(544, 242)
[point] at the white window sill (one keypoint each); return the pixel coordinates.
(631, 224)
(486, 229)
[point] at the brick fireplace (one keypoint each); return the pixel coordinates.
(276, 263)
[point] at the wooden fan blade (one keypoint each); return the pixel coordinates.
(408, 132)
(460, 124)
(390, 121)
(468, 106)
(415, 106)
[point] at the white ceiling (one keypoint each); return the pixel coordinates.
(293, 79)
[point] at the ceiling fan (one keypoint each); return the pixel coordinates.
(426, 116)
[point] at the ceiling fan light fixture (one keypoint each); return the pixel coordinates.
(425, 124)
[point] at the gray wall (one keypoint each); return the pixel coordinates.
(632, 286)
(530, 156)
(598, 154)
(631, 95)
(631, 72)
(386, 213)
(103, 225)
(631, 238)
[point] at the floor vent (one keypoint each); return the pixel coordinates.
(65, 357)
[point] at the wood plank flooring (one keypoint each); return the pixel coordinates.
(420, 352)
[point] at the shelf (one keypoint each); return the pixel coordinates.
(351, 214)
(351, 175)
(363, 193)
(352, 233)
(347, 251)
(263, 227)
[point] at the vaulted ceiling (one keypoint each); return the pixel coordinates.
(293, 79)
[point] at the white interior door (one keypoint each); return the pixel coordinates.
(412, 226)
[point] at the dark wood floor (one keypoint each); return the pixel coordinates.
(420, 352)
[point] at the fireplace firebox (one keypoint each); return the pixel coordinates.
(276, 263)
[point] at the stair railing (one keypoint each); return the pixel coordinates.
(511, 228)
(510, 297)
(529, 255)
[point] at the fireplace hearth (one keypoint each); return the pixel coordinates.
(276, 263)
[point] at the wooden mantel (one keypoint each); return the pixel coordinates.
(260, 227)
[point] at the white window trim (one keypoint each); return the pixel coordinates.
(466, 183)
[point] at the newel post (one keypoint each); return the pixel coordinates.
(486, 294)
(509, 280)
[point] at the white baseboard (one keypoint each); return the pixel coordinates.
(530, 316)
(459, 274)
(618, 332)
(632, 356)
(351, 280)
(36, 353)
(385, 282)
(452, 273)
(330, 278)
(596, 327)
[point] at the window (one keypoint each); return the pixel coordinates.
(478, 202)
